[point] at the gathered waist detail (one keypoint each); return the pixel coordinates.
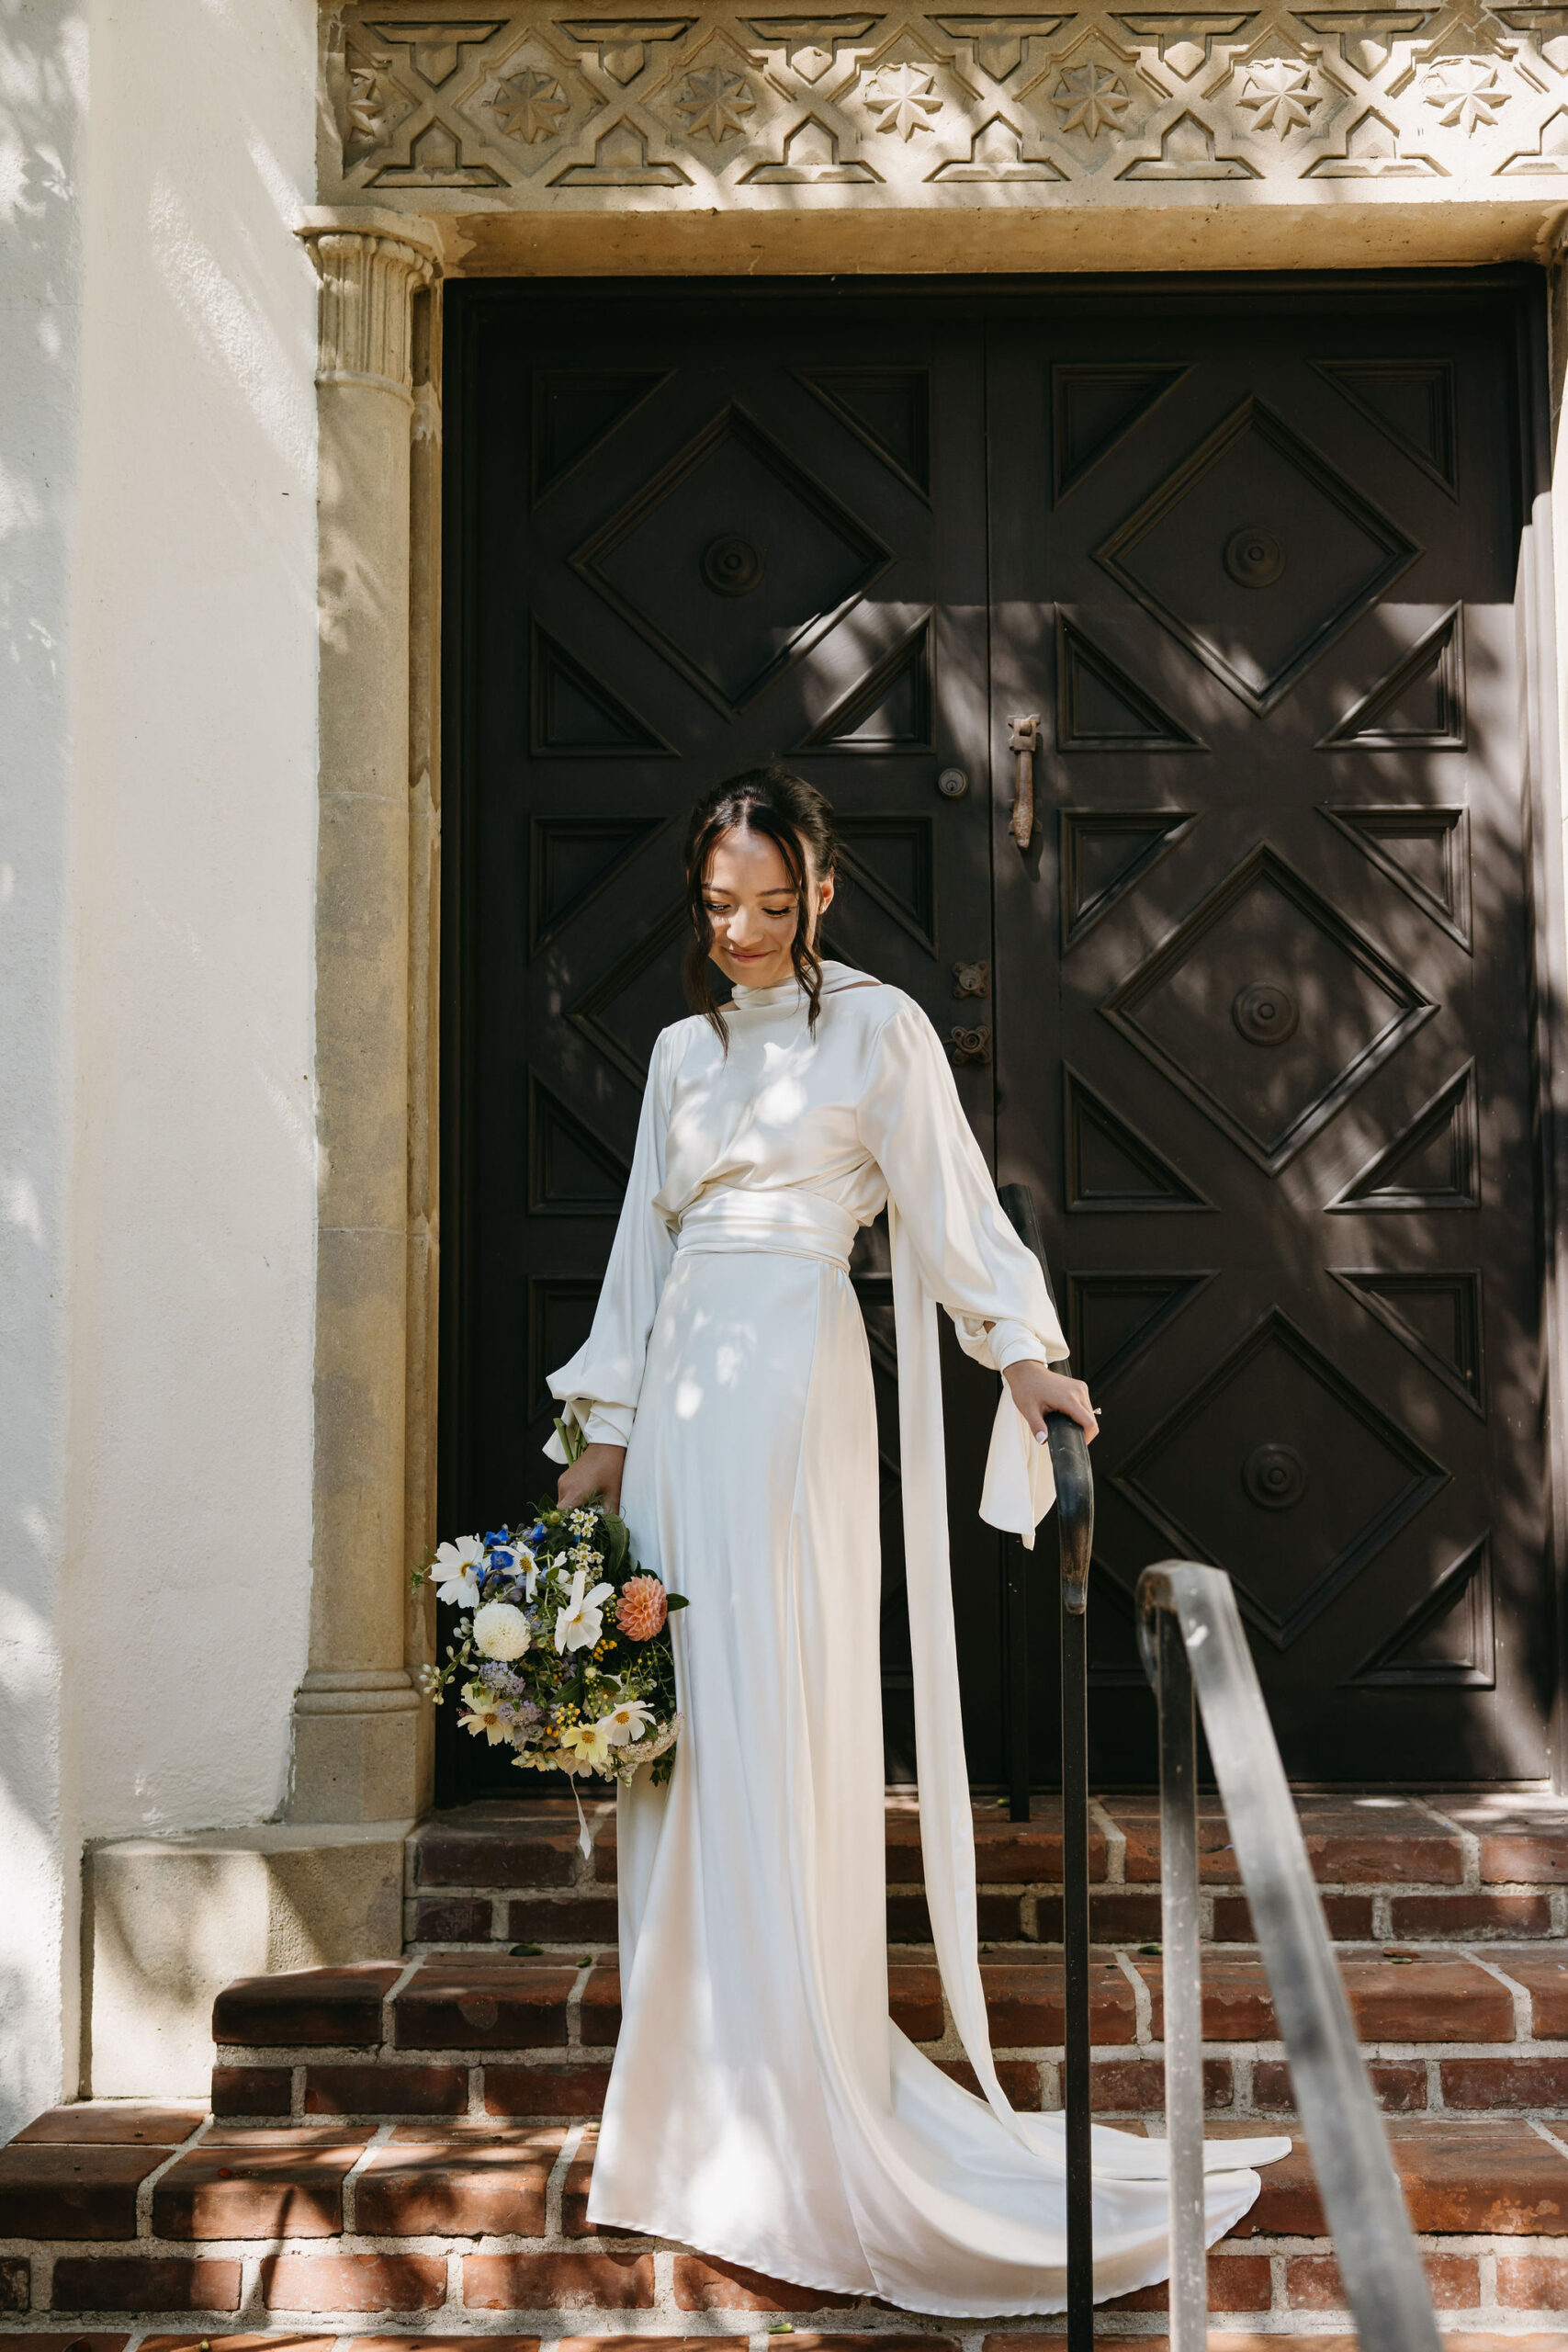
(796, 1225)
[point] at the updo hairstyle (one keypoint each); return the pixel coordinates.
(795, 816)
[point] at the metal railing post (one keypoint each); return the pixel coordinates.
(1074, 1539)
(1190, 1633)
(1015, 1598)
(1181, 1992)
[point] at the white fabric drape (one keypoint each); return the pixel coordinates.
(762, 2107)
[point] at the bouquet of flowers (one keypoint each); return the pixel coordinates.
(563, 1647)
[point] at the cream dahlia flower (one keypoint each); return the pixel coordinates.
(501, 1629)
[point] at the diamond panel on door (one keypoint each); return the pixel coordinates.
(732, 559)
(1278, 1469)
(1267, 1009)
(1257, 554)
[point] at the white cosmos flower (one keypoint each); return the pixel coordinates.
(587, 1742)
(501, 1629)
(485, 1717)
(581, 1623)
(453, 1570)
(627, 1722)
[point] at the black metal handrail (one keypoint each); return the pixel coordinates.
(1075, 1540)
(1191, 1636)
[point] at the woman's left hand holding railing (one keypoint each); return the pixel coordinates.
(1037, 1391)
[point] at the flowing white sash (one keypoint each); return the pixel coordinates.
(1018, 1484)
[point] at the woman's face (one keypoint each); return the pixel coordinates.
(750, 907)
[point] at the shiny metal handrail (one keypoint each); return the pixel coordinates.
(1075, 1542)
(1191, 1636)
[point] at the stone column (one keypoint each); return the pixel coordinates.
(356, 1714)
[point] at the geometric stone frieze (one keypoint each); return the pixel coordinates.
(533, 106)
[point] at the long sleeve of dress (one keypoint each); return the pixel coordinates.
(944, 1212)
(972, 1261)
(600, 1388)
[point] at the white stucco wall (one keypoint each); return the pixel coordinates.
(156, 890)
(43, 88)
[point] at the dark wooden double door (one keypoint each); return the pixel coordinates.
(1253, 1012)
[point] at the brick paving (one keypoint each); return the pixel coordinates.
(1456, 2028)
(408, 2147)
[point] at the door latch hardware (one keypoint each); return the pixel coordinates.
(952, 784)
(969, 1046)
(1023, 742)
(971, 979)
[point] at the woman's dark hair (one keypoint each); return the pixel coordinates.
(798, 819)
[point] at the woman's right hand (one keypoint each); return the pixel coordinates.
(596, 1472)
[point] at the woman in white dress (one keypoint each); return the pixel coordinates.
(763, 2107)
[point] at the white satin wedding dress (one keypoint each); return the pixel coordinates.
(763, 2107)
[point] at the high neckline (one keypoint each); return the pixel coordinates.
(834, 977)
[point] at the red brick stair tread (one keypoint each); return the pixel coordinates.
(259, 2185)
(280, 2340)
(71, 2339)
(72, 2192)
(326, 2005)
(86, 2124)
(471, 2187)
(1432, 1997)
(1542, 1970)
(416, 2342)
(478, 2002)
(1495, 2176)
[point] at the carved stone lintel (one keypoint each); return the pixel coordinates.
(370, 264)
(1101, 107)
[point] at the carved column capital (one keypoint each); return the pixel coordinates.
(370, 264)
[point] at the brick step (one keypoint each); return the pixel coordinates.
(466, 2034)
(158, 2217)
(1392, 1868)
(890, 2338)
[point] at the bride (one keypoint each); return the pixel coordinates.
(763, 2107)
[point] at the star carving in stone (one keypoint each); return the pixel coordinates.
(714, 104)
(369, 102)
(1091, 101)
(1280, 96)
(904, 98)
(531, 105)
(1465, 91)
